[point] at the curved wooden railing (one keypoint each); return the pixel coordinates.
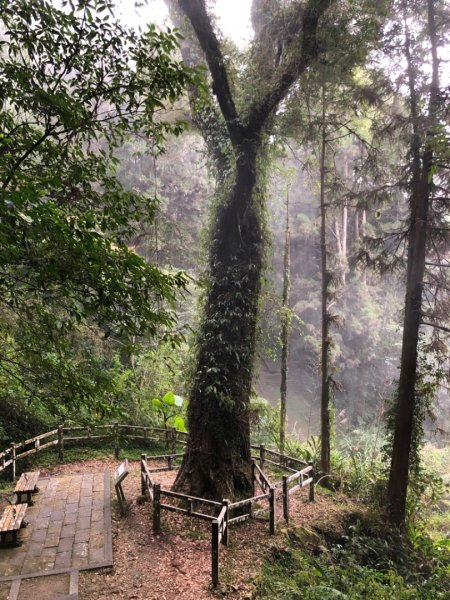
(116, 433)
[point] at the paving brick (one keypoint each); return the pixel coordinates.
(97, 516)
(86, 501)
(65, 544)
(68, 531)
(84, 511)
(70, 519)
(82, 535)
(39, 535)
(51, 541)
(66, 527)
(83, 523)
(96, 555)
(63, 559)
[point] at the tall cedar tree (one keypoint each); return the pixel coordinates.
(423, 129)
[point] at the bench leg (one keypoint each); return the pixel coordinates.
(4, 542)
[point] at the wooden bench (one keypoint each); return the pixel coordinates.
(10, 523)
(26, 486)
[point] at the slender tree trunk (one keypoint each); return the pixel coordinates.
(363, 233)
(285, 330)
(344, 244)
(419, 205)
(325, 383)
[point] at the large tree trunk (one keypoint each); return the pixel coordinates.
(419, 208)
(217, 463)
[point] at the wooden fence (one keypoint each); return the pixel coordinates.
(220, 514)
(115, 433)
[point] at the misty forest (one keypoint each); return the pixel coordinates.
(225, 257)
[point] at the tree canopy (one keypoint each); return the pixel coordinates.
(75, 84)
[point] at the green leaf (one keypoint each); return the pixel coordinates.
(179, 424)
(169, 398)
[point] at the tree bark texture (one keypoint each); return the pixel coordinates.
(325, 450)
(421, 183)
(217, 460)
(285, 330)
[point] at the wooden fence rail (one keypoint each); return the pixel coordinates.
(303, 478)
(220, 513)
(63, 435)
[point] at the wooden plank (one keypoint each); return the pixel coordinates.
(86, 438)
(277, 464)
(187, 512)
(141, 437)
(299, 473)
(215, 553)
(262, 475)
(121, 472)
(27, 482)
(239, 519)
(12, 518)
(39, 437)
(164, 456)
(284, 456)
(241, 503)
(171, 494)
(163, 469)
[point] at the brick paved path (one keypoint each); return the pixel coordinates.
(69, 529)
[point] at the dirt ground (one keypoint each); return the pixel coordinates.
(176, 564)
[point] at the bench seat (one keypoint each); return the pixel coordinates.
(11, 522)
(26, 486)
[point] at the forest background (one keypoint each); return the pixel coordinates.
(105, 376)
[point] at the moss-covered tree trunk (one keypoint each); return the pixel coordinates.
(421, 187)
(217, 461)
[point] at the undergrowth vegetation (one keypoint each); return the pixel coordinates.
(365, 562)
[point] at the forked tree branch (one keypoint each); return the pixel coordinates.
(262, 108)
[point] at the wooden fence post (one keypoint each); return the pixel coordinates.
(311, 485)
(116, 440)
(143, 485)
(173, 441)
(170, 462)
(157, 508)
(262, 456)
(61, 443)
(13, 463)
(285, 498)
(215, 552)
(225, 530)
(273, 516)
(253, 476)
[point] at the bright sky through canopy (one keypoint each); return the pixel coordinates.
(233, 15)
